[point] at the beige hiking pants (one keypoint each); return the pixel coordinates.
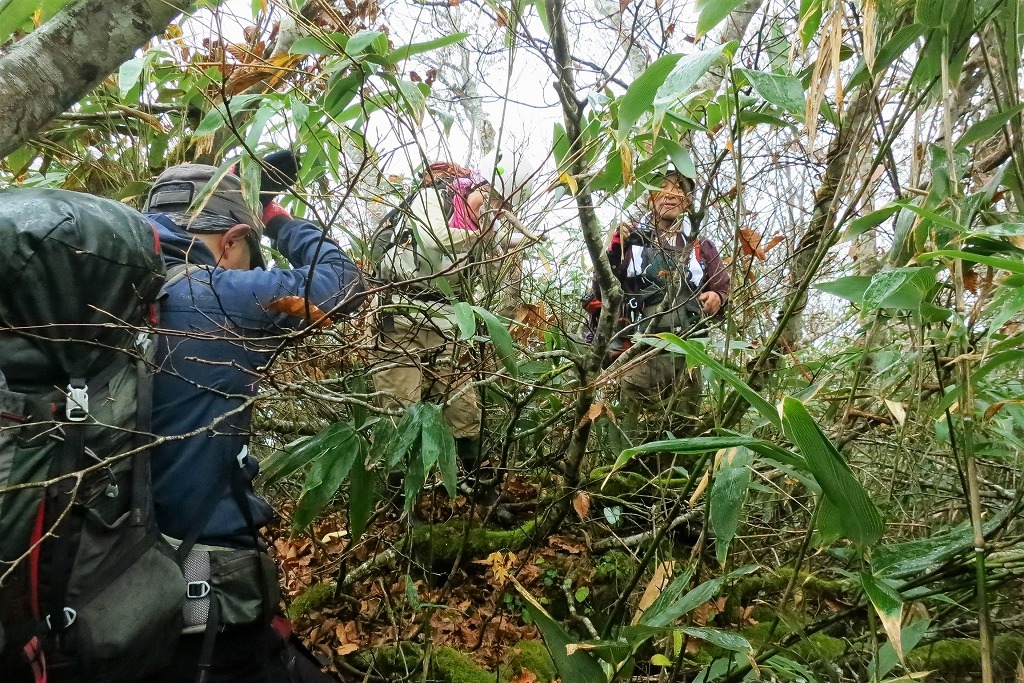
(416, 361)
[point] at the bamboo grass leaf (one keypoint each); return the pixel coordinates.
(857, 515)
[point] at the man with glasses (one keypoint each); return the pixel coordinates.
(673, 280)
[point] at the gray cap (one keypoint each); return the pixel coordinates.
(178, 193)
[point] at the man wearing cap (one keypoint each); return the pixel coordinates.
(673, 280)
(219, 328)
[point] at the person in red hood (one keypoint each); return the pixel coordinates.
(673, 280)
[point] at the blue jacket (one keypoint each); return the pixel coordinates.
(217, 335)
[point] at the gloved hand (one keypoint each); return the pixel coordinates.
(593, 306)
(274, 218)
(279, 173)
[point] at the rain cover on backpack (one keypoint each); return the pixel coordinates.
(88, 586)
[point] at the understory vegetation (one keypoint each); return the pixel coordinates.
(845, 506)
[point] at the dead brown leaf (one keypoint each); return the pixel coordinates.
(662, 573)
(991, 411)
(300, 308)
(569, 545)
(581, 504)
(525, 676)
(971, 281)
(750, 243)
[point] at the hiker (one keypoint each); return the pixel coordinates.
(219, 326)
(437, 247)
(673, 280)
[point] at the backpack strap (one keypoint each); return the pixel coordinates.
(58, 615)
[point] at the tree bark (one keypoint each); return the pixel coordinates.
(55, 66)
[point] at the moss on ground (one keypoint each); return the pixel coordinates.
(451, 666)
(311, 599)
(448, 665)
(956, 657)
(531, 655)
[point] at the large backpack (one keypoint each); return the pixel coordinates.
(416, 241)
(89, 588)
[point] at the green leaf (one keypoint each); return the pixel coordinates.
(360, 41)
(680, 156)
(889, 606)
(712, 12)
(695, 351)
(928, 214)
(466, 319)
(851, 287)
(500, 339)
(727, 495)
(660, 613)
(810, 20)
(640, 94)
(1012, 265)
(830, 524)
(431, 434)
(723, 639)
(889, 52)
(128, 75)
(858, 517)
(999, 230)
(581, 594)
(705, 444)
(330, 44)
(579, 667)
(362, 497)
(786, 92)
(988, 127)
(673, 603)
(412, 593)
(412, 94)
(899, 288)
(861, 225)
(213, 120)
(323, 481)
(929, 13)
(330, 442)
(406, 51)
(911, 558)
(18, 14)
(407, 433)
(661, 660)
(341, 90)
(542, 13)
(685, 74)
(446, 457)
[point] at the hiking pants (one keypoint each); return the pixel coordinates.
(420, 364)
(658, 396)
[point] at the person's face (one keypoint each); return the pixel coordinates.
(672, 201)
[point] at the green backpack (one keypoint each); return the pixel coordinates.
(88, 587)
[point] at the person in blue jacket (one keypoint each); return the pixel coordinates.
(219, 329)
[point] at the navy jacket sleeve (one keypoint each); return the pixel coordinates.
(322, 274)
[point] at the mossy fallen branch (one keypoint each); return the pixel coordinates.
(439, 545)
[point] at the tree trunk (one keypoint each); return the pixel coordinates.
(55, 66)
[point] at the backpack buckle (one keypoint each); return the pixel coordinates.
(197, 590)
(77, 407)
(69, 618)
